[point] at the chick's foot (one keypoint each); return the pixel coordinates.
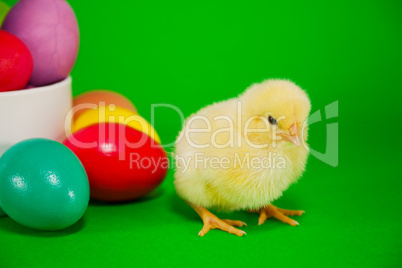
(278, 213)
(213, 222)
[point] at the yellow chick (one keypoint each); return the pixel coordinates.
(242, 153)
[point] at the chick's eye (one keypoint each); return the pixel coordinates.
(272, 120)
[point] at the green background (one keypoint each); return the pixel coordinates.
(193, 53)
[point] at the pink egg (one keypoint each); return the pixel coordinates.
(49, 29)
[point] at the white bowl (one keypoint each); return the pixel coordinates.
(34, 113)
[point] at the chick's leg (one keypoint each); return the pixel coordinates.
(278, 213)
(213, 222)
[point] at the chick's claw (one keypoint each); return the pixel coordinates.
(235, 223)
(213, 222)
(280, 214)
(288, 212)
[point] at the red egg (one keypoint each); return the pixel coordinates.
(16, 62)
(122, 163)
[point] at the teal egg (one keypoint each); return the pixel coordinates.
(43, 185)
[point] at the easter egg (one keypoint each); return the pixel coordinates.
(114, 114)
(43, 185)
(15, 62)
(4, 8)
(122, 163)
(49, 29)
(100, 97)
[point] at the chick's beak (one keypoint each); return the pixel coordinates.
(293, 136)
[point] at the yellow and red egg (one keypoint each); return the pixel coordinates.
(119, 149)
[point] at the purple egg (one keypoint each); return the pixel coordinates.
(49, 29)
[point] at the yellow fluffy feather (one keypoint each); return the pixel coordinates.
(230, 156)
